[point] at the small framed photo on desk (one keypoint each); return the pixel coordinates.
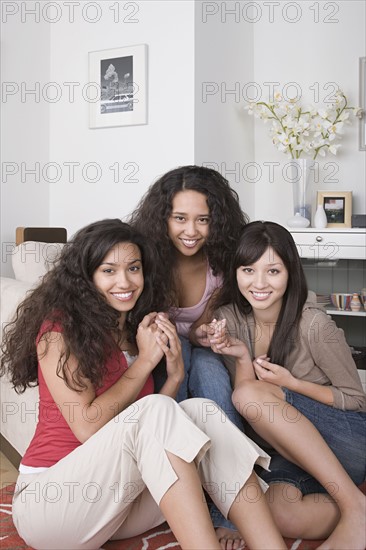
(337, 206)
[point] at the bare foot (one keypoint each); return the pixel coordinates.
(229, 539)
(349, 533)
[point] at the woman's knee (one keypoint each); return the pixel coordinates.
(203, 411)
(148, 408)
(249, 399)
(246, 393)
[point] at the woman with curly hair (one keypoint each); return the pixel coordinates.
(194, 218)
(109, 460)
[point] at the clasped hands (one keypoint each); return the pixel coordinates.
(216, 336)
(156, 337)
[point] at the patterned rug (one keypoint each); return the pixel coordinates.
(160, 538)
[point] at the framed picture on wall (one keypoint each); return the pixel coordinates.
(362, 104)
(119, 78)
(337, 206)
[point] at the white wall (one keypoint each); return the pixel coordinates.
(55, 133)
(25, 59)
(141, 152)
(224, 60)
(317, 47)
(310, 53)
(229, 47)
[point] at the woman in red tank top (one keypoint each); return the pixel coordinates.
(109, 459)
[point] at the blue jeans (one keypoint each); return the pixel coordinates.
(205, 376)
(343, 431)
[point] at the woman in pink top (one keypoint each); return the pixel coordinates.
(194, 217)
(105, 463)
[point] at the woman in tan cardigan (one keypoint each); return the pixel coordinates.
(298, 387)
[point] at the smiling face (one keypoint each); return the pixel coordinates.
(119, 278)
(188, 224)
(264, 282)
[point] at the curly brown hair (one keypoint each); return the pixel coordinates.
(226, 218)
(67, 296)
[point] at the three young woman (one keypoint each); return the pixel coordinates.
(297, 385)
(109, 460)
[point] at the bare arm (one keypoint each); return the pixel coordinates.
(84, 411)
(225, 344)
(330, 375)
(280, 376)
(333, 357)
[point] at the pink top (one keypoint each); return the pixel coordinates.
(53, 438)
(184, 317)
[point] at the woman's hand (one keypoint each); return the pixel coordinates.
(170, 345)
(146, 338)
(202, 334)
(224, 344)
(221, 342)
(272, 373)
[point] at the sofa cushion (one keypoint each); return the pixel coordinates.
(32, 259)
(12, 293)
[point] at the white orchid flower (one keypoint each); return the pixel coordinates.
(296, 131)
(323, 113)
(333, 149)
(336, 128)
(344, 116)
(282, 148)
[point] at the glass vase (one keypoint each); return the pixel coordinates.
(300, 177)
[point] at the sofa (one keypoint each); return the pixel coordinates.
(19, 412)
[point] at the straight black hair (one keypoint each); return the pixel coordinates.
(255, 239)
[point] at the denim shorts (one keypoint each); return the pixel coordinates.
(344, 432)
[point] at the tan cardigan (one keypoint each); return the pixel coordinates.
(320, 353)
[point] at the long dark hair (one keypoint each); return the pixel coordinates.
(254, 241)
(68, 296)
(226, 217)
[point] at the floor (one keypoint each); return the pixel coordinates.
(8, 474)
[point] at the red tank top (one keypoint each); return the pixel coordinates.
(53, 438)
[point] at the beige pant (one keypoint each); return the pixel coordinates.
(110, 487)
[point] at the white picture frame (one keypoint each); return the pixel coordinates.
(120, 78)
(362, 104)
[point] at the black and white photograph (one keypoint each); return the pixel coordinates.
(116, 84)
(120, 74)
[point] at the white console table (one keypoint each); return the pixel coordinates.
(330, 244)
